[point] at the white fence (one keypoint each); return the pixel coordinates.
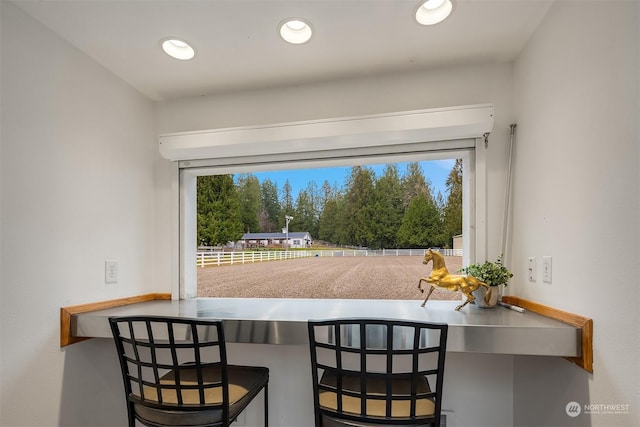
(384, 252)
(211, 259)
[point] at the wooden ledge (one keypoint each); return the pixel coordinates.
(66, 312)
(584, 323)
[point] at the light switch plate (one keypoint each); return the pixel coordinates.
(546, 269)
(110, 271)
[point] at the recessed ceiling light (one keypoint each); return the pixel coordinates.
(295, 30)
(433, 11)
(178, 49)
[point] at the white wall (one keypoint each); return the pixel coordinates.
(77, 176)
(577, 199)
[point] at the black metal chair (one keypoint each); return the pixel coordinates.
(373, 372)
(175, 372)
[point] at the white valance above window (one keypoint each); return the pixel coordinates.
(331, 135)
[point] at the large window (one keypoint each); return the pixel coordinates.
(325, 265)
(332, 232)
(358, 144)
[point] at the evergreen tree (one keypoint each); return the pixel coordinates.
(248, 188)
(452, 212)
(218, 210)
(328, 217)
(327, 193)
(358, 213)
(315, 198)
(387, 209)
(270, 207)
(286, 203)
(342, 222)
(421, 225)
(328, 224)
(414, 183)
(441, 206)
(304, 216)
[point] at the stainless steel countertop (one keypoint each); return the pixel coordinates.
(283, 321)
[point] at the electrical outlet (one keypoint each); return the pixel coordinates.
(532, 269)
(546, 269)
(110, 271)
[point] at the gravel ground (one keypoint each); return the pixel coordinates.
(324, 277)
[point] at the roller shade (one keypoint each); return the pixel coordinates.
(327, 135)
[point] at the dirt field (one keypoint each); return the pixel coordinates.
(324, 277)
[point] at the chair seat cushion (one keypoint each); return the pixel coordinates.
(328, 399)
(245, 382)
(242, 379)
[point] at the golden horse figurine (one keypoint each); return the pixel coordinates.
(441, 278)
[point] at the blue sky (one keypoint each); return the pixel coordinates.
(436, 171)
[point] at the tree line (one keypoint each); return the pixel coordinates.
(390, 211)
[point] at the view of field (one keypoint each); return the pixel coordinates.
(373, 277)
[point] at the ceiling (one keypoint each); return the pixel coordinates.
(238, 47)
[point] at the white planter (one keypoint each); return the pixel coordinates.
(493, 299)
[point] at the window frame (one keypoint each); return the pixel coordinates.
(472, 151)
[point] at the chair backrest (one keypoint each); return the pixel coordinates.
(382, 371)
(164, 361)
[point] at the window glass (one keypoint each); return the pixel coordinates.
(354, 228)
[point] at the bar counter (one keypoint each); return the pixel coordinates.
(498, 330)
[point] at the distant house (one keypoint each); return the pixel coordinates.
(297, 239)
(457, 241)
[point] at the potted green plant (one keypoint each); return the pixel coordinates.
(493, 274)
